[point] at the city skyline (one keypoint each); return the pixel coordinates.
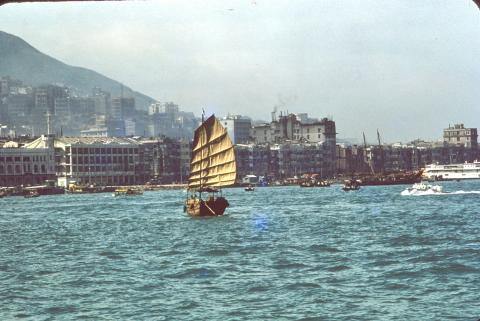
(407, 71)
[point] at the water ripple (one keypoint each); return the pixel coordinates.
(281, 253)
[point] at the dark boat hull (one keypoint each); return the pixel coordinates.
(212, 207)
(392, 179)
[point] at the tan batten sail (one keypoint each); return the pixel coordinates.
(213, 158)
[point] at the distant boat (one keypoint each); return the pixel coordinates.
(351, 185)
(315, 183)
(395, 178)
(30, 194)
(50, 188)
(127, 191)
(249, 188)
(75, 188)
(212, 167)
(307, 184)
(313, 180)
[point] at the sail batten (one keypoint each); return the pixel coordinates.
(213, 157)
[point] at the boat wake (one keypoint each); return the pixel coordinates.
(430, 192)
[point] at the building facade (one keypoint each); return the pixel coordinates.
(238, 128)
(459, 135)
(31, 164)
(291, 128)
(98, 160)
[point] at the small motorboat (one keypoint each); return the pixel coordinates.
(31, 194)
(249, 188)
(351, 185)
(423, 189)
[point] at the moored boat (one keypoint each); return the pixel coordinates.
(307, 184)
(351, 185)
(31, 193)
(127, 191)
(395, 178)
(323, 184)
(212, 167)
(75, 188)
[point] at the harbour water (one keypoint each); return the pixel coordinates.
(284, 253)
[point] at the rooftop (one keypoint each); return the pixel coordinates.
(96, 140)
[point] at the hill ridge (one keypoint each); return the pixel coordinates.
(22, 61)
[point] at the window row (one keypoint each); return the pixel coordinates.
(101, 151)
(25, 169)
(102, 160)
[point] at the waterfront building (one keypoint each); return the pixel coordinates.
(458, 134)
(318, 131)
(98, 160)
(30, 164)
(252, 159)
(238, 128)
(285, 160)
(165, 160)
(398, 157)
(291, 128)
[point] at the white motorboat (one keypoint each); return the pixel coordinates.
(423, 189)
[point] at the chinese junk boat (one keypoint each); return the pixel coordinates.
(211, 168)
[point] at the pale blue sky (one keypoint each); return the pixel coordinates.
(406, 67)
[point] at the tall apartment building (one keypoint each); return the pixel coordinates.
(123, 108)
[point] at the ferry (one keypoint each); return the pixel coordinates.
(436, 172)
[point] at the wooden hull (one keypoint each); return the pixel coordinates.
(199, 208)
(391, 179)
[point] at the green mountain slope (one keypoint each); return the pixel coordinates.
(21, 61)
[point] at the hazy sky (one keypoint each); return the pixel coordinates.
(406, 67)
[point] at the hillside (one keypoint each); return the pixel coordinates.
(21, 61)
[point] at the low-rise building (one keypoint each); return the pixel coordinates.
(459, 135)
(98, 160)
(291, 128)
(31, 164)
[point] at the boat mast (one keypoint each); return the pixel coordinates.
(367, 159)
(201, 159)
(382, 165)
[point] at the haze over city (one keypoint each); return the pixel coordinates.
(408, 69)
